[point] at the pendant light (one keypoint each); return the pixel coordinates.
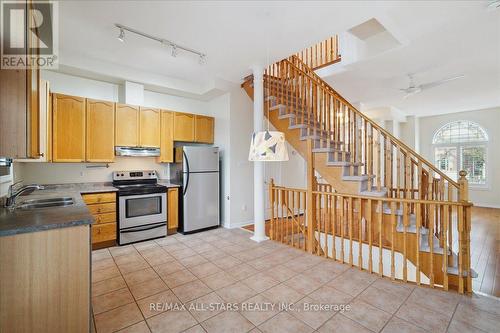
(268, 146)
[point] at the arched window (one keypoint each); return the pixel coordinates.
(461, 145)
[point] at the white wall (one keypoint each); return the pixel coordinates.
(489, 119)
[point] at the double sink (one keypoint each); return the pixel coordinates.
(45, 203)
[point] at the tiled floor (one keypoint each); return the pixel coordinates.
(221, 281)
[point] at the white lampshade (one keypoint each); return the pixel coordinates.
(268, 146)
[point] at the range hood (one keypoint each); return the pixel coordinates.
(137, 151)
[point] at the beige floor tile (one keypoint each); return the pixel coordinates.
(103, 264)
(242, 271)
(158, 303)
(147, 288)
(483, 320)
(441, 301)
(104, 274)
(176, 246)
(227, 322)
(387, 301)
(146, 246)
(260, 282)
(236, 293)
(202, 248)
(284, 322)
(140, 276)
(191, 290)
(171, 322)
(457, 326)
(166, 241)
(262, 263)
(310, 312)
(214, 254)
(258, 309)
(100, 254)
(133, 266)
(281, 273)
(192, 261)
(118, 251)
(168, 268)
(352, 281)
(341, 324)
(395, 287)
(111, 300)
(218, 280)
(205, 307)
(187, 252)
(488, 304)
(329, 295)
(159, 259)
(205, 269)
(178, 278)
(140, 327)
(303, 284)
(367, 315)
(396, 325)
(303, 262)
(128, 258)
(226, 262)
(106, 286)
(118, 318)
(282, 294)
(195, 329)
(425, 318)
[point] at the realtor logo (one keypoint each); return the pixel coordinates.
(29, 36)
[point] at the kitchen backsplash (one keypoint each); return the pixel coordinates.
(60, 173)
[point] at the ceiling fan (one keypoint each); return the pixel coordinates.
(414, 88)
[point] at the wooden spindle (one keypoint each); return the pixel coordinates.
(350, 211)
(380, 245)
(406, 222)
(393, 233)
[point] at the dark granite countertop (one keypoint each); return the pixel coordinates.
(31, 220)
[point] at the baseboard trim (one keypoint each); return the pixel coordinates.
(240, 225)
(486, 205)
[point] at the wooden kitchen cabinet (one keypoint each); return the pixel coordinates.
(68, 128)
(173, 210)
(45, 281)
(126, 125)
(204, 129)
(100, 134)
(149, 131)
(183, 127)
(102, 206)
(166, 137)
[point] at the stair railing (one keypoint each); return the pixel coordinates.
(322, 54)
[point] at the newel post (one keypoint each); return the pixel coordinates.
(463, 196)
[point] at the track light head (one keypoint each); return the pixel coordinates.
(121, 36)
(174, 50)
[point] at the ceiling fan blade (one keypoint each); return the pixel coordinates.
(440, 82)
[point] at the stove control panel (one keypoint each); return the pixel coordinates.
(136, 174)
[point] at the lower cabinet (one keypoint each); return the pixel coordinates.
(103, 209)
(173, 210)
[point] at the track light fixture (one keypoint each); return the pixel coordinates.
(175, 47)
(121, 37)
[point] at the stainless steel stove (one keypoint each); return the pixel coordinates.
(142, 206)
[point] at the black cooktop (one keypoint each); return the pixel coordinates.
(139, 188)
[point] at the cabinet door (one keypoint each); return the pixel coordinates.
(173, 210)
(149, 133)
(68, 134)
(100, 131)
(127, 125)
(183, 127)
(167, 137)
(204, 129)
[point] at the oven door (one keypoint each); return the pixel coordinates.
(143, 209)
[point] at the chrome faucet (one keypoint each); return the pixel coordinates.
(12, 195)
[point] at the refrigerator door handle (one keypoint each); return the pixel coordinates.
(187, 174)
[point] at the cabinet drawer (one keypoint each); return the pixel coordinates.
(103, 232)
(105, 218)
(99, 197)
(102, 208)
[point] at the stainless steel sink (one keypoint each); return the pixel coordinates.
(44, 203)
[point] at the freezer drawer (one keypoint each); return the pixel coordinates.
(201, 201)
(136, 234)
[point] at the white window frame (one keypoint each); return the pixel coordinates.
(458, 146)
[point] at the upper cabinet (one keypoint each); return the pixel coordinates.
(100, 135)
(68, 134)
(149, 132)
(183, 127)
(166, 137)
(204, 129)
(127, 125)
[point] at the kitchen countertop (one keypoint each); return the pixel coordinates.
(31, 220)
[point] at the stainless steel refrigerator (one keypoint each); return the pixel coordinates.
(197, 169)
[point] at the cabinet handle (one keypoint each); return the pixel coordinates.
(41, 154)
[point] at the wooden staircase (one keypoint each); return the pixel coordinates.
(382, 193)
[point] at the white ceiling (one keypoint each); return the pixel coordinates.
(439, 38)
